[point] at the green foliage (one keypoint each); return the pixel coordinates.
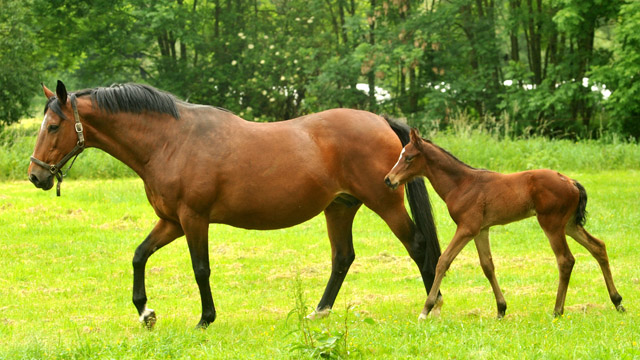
(622, 75)
(272, 60)
(19, 64)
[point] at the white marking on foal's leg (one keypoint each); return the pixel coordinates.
(435, 311)
(148, 317)
(319, 314)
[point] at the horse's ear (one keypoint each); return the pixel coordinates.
(415, 136)
(48, 93)
(61, 92)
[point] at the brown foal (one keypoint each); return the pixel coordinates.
(478, 199)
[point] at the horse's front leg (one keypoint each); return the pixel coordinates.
(196, 230)
(163, 233)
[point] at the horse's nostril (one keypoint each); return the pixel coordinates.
(33, 178)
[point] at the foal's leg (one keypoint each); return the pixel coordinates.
(486, 261)
(339, 224)
(163, 233)
(196, 230)
(554, 229)
(597, 248)
(400, 223)
(459, 241)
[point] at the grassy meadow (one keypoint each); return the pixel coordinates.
(66, 276)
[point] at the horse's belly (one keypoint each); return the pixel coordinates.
(266, 212)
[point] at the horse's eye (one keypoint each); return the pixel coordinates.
(409, 158)
(53, 128)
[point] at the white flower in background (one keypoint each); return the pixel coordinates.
(250, 46)
(233, 63)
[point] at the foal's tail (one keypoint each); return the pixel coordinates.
(420, 205)
(580, 216)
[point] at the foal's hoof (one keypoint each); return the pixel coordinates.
(319, 314)
(620, 308)
(148, 318)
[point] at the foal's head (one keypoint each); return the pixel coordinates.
(57, 137)
(410, 164)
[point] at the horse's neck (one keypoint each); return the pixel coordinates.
(443, 171)
(129, 138)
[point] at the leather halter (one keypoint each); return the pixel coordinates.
(56, 169)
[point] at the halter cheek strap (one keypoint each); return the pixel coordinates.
(56, 169)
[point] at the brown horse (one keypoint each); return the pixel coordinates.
(202, 164)
(478, 199)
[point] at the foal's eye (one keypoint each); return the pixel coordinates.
(53, 128)
(409, 158)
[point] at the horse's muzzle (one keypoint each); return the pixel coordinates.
(390, 184)
(42, 181)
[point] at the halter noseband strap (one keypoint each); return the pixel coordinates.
(56, 169)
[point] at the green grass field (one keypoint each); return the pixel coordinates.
(66, 275)
(65, 285)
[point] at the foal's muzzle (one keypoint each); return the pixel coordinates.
(390, 184)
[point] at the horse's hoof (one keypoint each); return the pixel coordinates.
(437, 307)
(319, 314)
(148, 318)
(620, 308)
(422, 316)
(202, 325)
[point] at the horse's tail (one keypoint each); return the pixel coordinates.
(420, 205)
(580, 216)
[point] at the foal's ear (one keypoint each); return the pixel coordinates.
(415, 136)
(48, 93)
(61, 92)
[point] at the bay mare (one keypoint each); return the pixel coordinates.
(202, 164)
(478, 199)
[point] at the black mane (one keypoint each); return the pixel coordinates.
(133, 98)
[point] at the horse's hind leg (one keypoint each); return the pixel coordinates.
(414, 241)
(486, 262)
(339, 218)
(597, 248)
(163, 233)
(554, 229)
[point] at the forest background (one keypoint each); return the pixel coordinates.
(559, 68)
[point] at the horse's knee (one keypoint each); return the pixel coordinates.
(565, 264)
(201, 272)
(342, 262)
(442, 266)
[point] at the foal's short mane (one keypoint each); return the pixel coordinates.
(450, 155)
(133, 98)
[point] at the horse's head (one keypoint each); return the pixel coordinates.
(410, 164)
(61, 138)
